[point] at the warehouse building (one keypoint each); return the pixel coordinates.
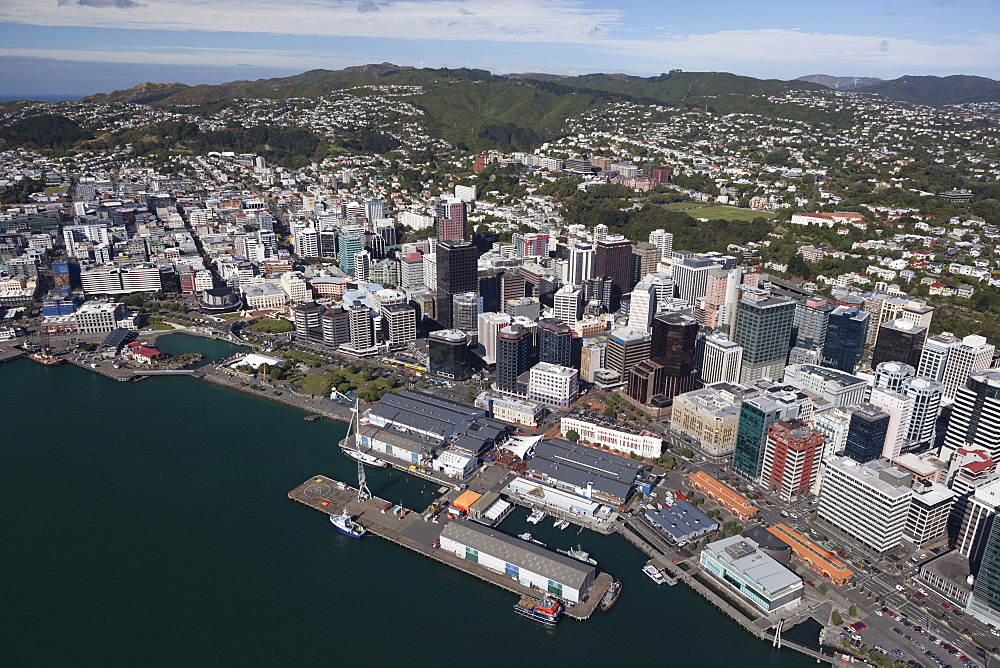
(593, 474)
(527, 563)
(682, 522)
(740, 563)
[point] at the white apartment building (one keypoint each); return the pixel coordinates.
(553, 385)
(645, 444)
(307, 242)
(663, 240)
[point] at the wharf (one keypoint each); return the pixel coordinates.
(8, 352)
(412, 531)
(106, 369)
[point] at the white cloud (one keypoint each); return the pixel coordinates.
(483, 20)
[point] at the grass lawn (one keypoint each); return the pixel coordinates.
(723, 212)
(158, 325)
(682, 206)
(273, 326)
(312, 384)
(56, 190)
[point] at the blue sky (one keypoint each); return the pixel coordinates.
(52, 47)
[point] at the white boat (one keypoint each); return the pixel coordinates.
(524, 536)
(536, 516)
(563, 524)
(366, 458)
(579, 554)
(654, 574)
(347, 526)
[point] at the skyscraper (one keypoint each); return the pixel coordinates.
(900, 410)
(672, 345)
(450, 217)
(934, 356)
(456, 273)
(514, 357)
(975, 417)
(691, 277)
(626, 347)
(555, 342)
(809, 326)
(763, 329)
(566, 304)
(756, 415)
(791, 459)
(663, 240)
(984, 603)
(465, 310)
(867, 433)
(846, 332)
(899, 341)
(349, 242)
(448, 354)
(892, 375)
(645, 257)
(581, 264)
(721, 360)
(642, 306)
(971, 354)
(613, 259)
(926, 395)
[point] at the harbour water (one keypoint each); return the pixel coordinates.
(148, 523)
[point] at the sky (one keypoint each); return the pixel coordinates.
(76, 47)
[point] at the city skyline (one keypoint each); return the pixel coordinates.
(69, 51)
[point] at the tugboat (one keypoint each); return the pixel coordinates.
(547, 611)
(611, 596)
(46, 359)
(579, 554)
(348, 526)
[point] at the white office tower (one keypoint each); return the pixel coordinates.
(600, 233)
(900, 410)
(489, 326)
(430, 271)
(400, 324)
(269, 241)
(980, 512)
(975, 417)
(566, 304)
(926, 395)
(361, 325)
(971, 354)
(663, 240)
(307, 242)
(642, 307)
(835, 425)
(297, 225)
(553, 385)
(721, 361)
(581, 264)
(934, 355)
(880, 505)
(691, 277)
(892, 375)
(362, 265)
(664, 286)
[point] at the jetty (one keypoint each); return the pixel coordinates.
(410, 530)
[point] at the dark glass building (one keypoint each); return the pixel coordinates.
(448, 355)
(514, 357)
(846, 333)
(899, 341)
(866, 435)
(456, 272)
(673, 346)
(555, 342)
(613, 259)
(756, 415)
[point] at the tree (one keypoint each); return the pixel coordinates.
(799, 267)
(853, 611)
(667, 462)
(823, 589)
(610, 412)
(836, 619)
(572, 436)
(686, 452)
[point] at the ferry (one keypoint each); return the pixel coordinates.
(654, 574)
(546, 611)
(536, 516)
(46, 359)
(348, 526)
(611, 596)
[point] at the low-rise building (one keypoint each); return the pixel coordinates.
(724, 496)
(757, 576)
(710, 418)
(682, 522)
(617, 437)
(813, 556)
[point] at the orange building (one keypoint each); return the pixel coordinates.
(726, 497)
(812, 555)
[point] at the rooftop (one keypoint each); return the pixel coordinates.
(745, 555)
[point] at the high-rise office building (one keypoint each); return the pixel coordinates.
(555, 342)
(448, 354)
(809, 325)
(456, 273)
(763, 329)
(399, 325)
(642, 306)
(349, 243)
(514, 357)
(721, 360)
(934, 355)
(867, 433)
(900, 410)
(926, 395)
(645, 258)
(566, 304)
(974, 423)
(465, 310)
(846, 332)
(791, 459)
(362, 327)
(663, 240)
(673, 345)
(756, 415)
(691, 277)
(613, 259)
(362, 265)
(972, 353)
(450, 218)
(580, 264)
(984, 603)
(306, 242)
(374, 210)
(892, 375)
(626, 347)
(899, 341)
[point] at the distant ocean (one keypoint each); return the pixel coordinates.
(40, 98)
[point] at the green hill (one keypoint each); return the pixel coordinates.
(937, 91)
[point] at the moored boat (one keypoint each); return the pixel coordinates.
(346, 525)
(547, 610)
(366, 458)
(46, 359)
(611, 596)
(579, 554)
(524, 536)
(536, 516)
(654, 574)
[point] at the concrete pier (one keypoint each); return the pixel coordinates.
(413, 532)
